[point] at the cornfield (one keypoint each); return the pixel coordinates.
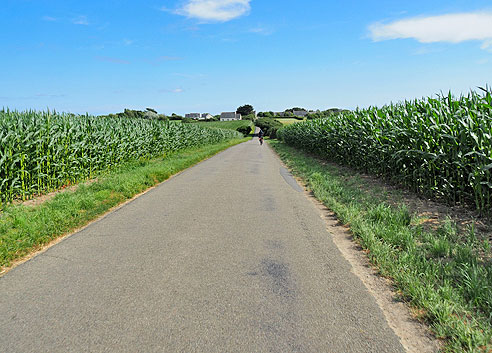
(440, 147)
(43, 151)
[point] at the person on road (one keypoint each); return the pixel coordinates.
(260, 136)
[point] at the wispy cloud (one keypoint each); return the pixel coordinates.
(451, 28)
(80, 20)
(49, 19)
(213, 10)
(172, 90)
(112, 60)
(261, 30)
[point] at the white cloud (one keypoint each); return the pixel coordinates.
(173, 90)
(451, 28)
(215, 10)
(80, 20)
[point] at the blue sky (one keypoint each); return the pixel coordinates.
(214, 55)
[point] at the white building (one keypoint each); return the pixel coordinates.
(196, 116)
(301, 113)
(199, 116)
(228, 116)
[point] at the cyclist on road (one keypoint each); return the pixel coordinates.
(260, 136)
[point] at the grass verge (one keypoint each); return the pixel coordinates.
(441, 274)
(25, 229)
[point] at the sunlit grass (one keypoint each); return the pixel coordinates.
(438, 272)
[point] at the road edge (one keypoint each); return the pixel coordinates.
(43, 248)
(415, 336)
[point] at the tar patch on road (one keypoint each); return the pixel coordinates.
(289, 179)
(277, 275)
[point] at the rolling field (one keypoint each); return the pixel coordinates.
(288, 121)
(232, 125)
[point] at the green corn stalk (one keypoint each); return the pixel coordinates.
(43, 151)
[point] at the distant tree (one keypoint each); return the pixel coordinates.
(245, 129)
(245, 109)
(176, 117)
(132, 114)
(151, 114)
(291, 110)
(248, 117)
(269, 114)
(269, 126)
(326, 113)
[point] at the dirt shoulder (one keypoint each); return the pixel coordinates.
(415, 336)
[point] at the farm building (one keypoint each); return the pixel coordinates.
(193, 116)
(199, 116)
(301, 113)
(228, 116)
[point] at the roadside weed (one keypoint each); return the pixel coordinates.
(439, 272)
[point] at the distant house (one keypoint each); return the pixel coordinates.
(300, 113)
(195, 116)
(199, 116)
(228, 116)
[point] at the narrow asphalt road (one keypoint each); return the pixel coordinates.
(228, 256)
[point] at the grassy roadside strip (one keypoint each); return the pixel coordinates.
(25, 229)
(440, 274)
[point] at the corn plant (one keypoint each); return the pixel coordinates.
(43, 151)
(441, 147)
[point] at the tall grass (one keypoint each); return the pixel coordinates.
(436, 146)
(42, 151)
(441, 272)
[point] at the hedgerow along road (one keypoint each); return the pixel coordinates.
(228, 256)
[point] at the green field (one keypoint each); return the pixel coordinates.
(232, 125)
(289, 121)
(24, 229)
(43, 151)
(439, 147)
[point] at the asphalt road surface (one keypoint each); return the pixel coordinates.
(228, 256)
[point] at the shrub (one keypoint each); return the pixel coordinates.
(269, 126)
(245, 130)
